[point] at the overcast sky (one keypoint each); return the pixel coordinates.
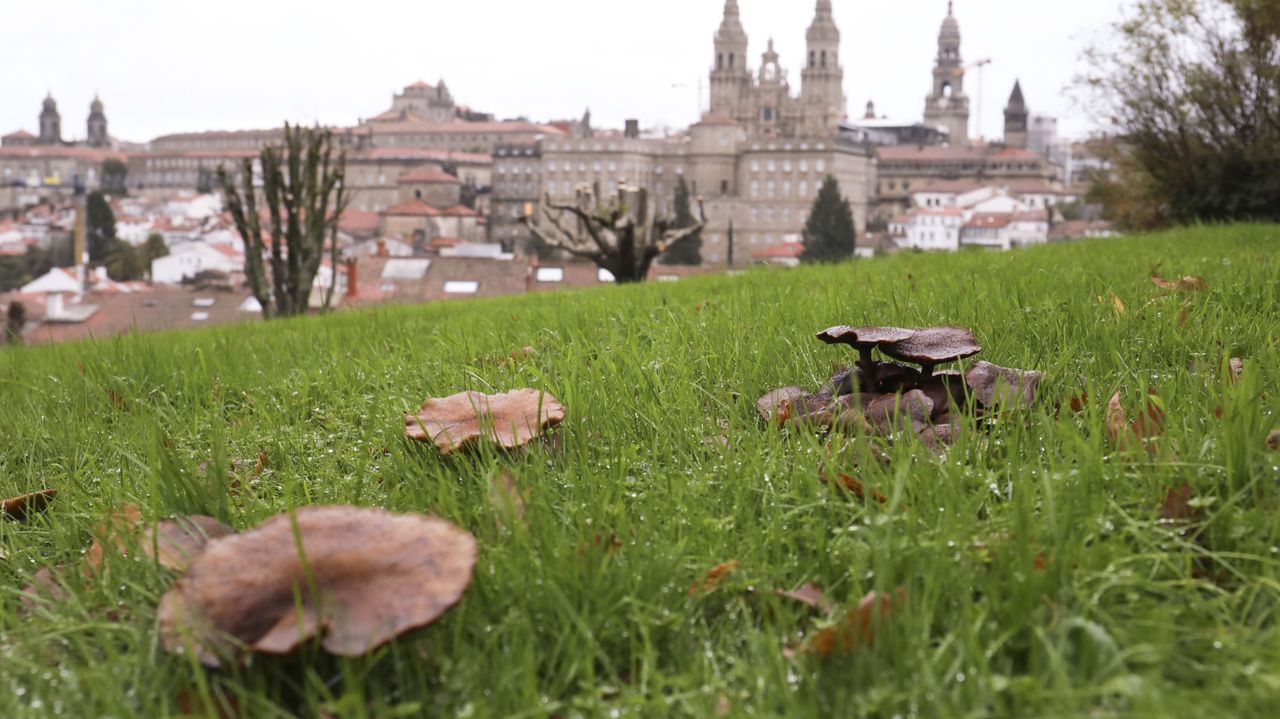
(165, 66)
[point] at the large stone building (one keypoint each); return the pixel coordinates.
(757, 157)
(34, 167)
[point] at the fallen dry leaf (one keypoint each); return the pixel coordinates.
(27, 505)
(512, 419)
(510, 360)
(1236, 367)
(1079, 402)
(504, 495)
(713, 578)
(1190, 283)
(855, 486)
(48, 583)
(1177, 506)
(116, 533)
(810, 595)
(1141, 431)
(1118, 304)
(360, 578)
(857, 629)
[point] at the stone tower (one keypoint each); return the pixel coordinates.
(730, 78)
(97, 128)
(822, 86)
(947, 106)
(50, 123)
(1015, 118)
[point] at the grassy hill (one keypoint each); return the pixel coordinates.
(1039, 577)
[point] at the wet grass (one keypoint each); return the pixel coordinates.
(1040, 580)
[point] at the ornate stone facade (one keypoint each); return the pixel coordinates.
(763, 104)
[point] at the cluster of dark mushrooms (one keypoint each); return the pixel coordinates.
(885, 398)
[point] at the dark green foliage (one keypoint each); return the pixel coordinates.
(15, 320)
(126, 263)
(115, 175)
(155, 247)
(100, 227)
(18, 271)
(1193, 89)
(688, 251)
(829, 232)
(304, 196)
(729, 241)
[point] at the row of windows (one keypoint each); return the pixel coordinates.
(771, 188)
(773, 165)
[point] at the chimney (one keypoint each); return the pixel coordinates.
(353, 290)
(382, 248)
(53, 308)
(632, 131)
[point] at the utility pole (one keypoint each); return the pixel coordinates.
(981, 66)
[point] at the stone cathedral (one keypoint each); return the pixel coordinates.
(761, 101)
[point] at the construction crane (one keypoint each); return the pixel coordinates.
(980, 66)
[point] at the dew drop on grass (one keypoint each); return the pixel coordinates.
(960, 678)
(1217, 645)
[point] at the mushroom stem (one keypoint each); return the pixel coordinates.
(926, 371)
(866, 363)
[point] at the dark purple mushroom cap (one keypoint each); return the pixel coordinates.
(864, 337)
(935, 345)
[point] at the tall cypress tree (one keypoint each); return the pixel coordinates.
(829, 233)
(100, 227)
(688, 252)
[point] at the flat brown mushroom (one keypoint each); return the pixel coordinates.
(175, 543)
(360, 578)
(20, 508)
(993, 385)
(864, 339)
(933, 346)
(511, 420)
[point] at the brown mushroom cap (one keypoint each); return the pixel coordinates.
(175, 543)
(864, 337)
(512, 419)
(935, 345)
(363, 577)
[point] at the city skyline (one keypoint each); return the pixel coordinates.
(508, 71)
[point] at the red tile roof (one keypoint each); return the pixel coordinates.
(461, 127)
(412, 208)
(359, 222)
(717, 118)
(19, 135)
(459, 211)
(420, 85)
(418, 153)
(90, 154)
(990, 221)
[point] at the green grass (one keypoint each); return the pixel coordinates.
(558, 623)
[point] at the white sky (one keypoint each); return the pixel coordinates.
(166, 66)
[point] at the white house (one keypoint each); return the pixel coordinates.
(191, 258)
(934, 229)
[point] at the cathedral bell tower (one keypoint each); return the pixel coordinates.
(730, 79)
(947, 106)
(97, 124)
(822, 80)
(1015, 118)
(50, 123)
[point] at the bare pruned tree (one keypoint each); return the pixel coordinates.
(303, 192)
(623, 236)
